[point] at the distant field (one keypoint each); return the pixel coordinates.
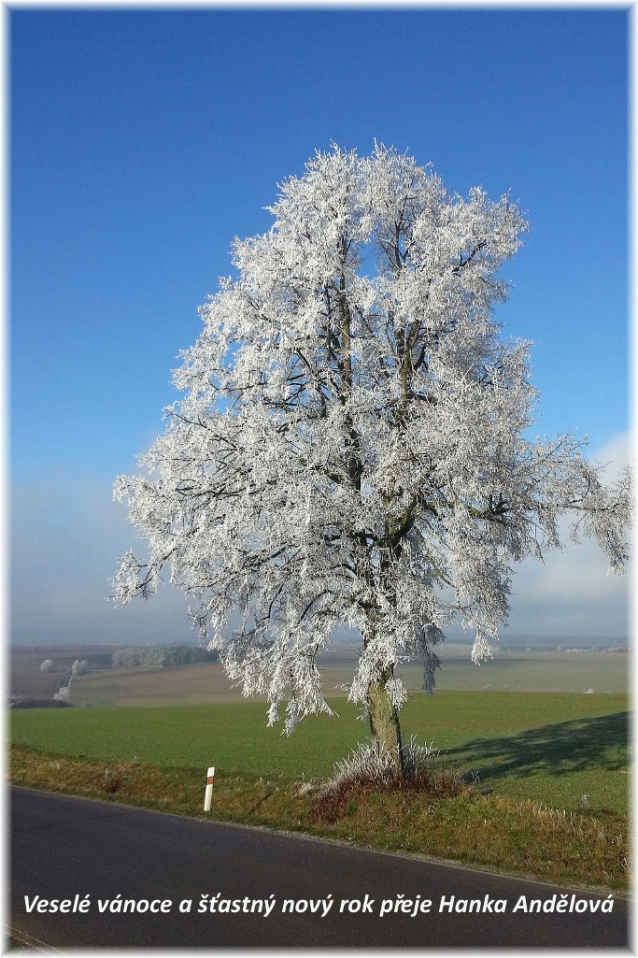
(532, 672)
(605, 672)
(553, 747)
(204, 682)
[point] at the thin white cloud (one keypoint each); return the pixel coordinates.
(573, 593)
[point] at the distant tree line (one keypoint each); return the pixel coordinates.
(77, 668)
(161, 656)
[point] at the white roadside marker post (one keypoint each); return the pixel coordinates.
(209, 788)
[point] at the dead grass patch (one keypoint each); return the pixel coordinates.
(336, 799)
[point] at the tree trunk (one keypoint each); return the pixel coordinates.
(384, 721)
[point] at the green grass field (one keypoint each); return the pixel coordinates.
(551, 747)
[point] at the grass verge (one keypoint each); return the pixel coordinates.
(525, 837)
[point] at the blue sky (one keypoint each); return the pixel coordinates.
(142, 142)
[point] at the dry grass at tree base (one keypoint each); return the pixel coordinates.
(522, 837)
(409, 767)
(335, 801)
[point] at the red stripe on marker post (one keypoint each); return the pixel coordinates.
(208, 795)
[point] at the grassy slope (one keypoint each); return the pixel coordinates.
(585, 848)
(551, 747)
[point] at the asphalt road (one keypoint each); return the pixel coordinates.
(62, 847)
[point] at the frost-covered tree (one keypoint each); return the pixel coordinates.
(352, 448)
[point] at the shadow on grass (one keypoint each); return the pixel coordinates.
(562, 749)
